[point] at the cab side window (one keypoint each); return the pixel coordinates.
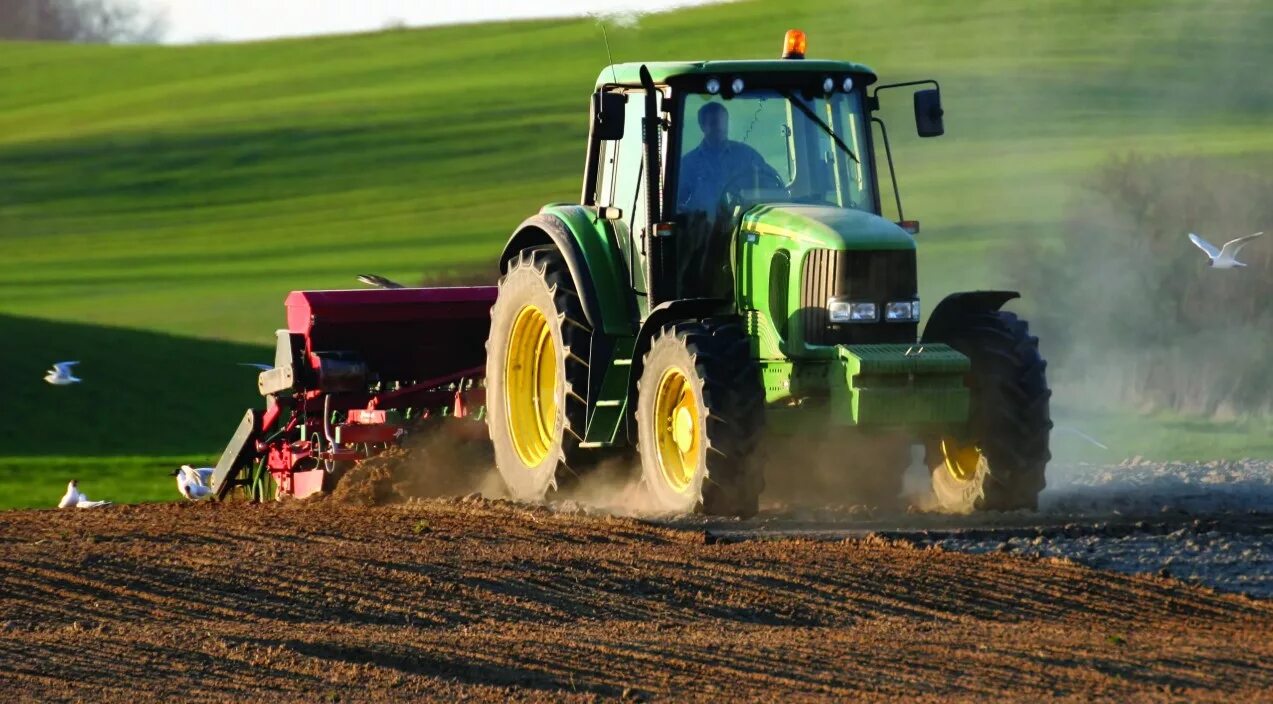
(621, 185)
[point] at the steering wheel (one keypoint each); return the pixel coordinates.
(755, 178)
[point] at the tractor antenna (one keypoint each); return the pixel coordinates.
(610, 57)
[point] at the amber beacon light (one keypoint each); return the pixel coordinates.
(794, 44)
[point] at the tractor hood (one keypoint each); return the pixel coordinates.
(826, 227)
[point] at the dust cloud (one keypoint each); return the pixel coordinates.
(1129, 316)
(445, 460)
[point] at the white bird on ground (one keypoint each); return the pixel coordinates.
(203, 474)
(74, 498)
(60, 374)
(190, 482)
(1225, 257)
(257, 365)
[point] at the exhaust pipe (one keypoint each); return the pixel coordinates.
(661, 282)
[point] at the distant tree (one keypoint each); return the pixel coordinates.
(91, 21)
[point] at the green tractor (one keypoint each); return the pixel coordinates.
(727, 286)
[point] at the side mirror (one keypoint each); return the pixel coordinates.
(928, 113)
(607, 115)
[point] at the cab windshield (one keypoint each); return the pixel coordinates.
(771, 146)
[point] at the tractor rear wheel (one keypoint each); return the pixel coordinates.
(700, 412)
(536, 373)
(997, 462)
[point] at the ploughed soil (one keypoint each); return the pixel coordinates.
(326, 601)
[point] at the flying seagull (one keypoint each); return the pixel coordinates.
(257, 365)
(74, 498)
(378, 281)
(1225, 257)
(191, 482)
(60, 374)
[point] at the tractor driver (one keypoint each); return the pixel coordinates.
(717, 163)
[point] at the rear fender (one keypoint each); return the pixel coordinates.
(596, 265)
(955, 308)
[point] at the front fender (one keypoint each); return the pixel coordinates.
(955, 308)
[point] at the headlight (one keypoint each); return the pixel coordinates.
(736, 86)
(713, 86)
(901, 311)
(852, 311)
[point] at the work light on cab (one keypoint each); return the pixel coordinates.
(793, 45)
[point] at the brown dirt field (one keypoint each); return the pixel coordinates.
(320, 601)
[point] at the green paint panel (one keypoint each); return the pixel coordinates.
(827, 227)
(765, 342)
(605, 262)
(612, 401)
(777, 378)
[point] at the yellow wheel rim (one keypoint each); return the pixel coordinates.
(961, 461)
(530, 386)
(677, 428)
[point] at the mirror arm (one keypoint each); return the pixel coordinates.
(892, 174)
(875, 101)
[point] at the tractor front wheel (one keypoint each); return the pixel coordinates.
(997, 461)
(700, 411)
(536, 373)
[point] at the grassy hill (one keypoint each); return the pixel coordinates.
(157, 203)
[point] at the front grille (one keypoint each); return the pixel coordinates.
(859, 276)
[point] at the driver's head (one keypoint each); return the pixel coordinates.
(713, 119)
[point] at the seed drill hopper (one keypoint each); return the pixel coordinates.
(354, 372)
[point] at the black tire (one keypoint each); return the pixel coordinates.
(539, 278)
(1009, 418)
(713, 358)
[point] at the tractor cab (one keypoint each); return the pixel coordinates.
(728, 136)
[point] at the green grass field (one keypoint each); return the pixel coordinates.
(157, 203)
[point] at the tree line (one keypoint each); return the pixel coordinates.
(90, 21)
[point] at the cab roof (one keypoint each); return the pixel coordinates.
(661, 71)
